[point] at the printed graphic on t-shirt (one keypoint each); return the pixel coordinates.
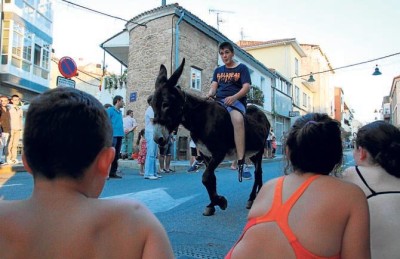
(228, 77)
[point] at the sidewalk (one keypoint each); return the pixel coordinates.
(176, 165)
(183, 165)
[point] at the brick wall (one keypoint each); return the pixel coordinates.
(155, 45)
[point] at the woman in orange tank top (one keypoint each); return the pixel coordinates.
(308, 213)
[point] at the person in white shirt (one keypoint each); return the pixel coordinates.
(129, 129)
(16, 129)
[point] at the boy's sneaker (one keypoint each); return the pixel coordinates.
(158, 175)
(151, 177)
(194, 168)
(246, 173)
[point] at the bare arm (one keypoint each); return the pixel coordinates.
(157, 244)
(356, 241)
(213, 90)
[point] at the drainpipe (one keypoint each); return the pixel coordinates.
(177, 40)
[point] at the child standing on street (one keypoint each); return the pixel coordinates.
(141, 143)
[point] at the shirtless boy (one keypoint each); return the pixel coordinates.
(67, 149)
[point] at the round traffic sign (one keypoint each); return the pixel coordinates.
(67, 67)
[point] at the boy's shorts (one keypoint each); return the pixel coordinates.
(193, 151)
(237, 105)
(167, 149)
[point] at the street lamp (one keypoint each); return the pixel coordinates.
(377, 72)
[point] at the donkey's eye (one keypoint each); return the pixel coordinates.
(164, 106)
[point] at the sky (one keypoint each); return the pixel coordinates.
(348, 32)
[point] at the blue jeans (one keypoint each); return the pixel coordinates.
(150, 168)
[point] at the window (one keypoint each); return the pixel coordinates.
(195, 79)
(297, 95)
(6, 42)
(304, 100)
(296, 66)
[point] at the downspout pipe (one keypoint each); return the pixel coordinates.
(177, 39)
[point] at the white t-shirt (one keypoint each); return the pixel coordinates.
(129, 123)
(149, 114)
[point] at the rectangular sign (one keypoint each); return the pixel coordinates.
(294, 113)
(132, 97)
(65, 82)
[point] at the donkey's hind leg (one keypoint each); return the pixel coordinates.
(257, 161)
(210, 182)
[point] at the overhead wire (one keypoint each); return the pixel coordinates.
(351, 65)
(105, 14)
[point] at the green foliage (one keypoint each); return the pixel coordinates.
(255, 95)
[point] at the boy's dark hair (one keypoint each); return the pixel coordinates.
(64, 131)
(149, 99)
(314, 144)
(382, 141)
(117, 98)
(226, 45)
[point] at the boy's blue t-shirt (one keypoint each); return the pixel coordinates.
(230, 80)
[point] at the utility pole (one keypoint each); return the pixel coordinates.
(218, 12)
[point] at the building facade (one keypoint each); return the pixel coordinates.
(166, 35)
(26, 47)
(395, 102)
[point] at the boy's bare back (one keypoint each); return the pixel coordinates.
(67, 149)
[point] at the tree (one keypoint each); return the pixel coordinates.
(255, 96)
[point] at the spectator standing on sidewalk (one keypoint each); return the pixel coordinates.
(5, 128)
(150, 168)
(196, 158)
(311, 194)
(115, 115)
(16, 114)
(165, 154)
(377, 172)
(127, 141)
(69, 157)
(141, 143)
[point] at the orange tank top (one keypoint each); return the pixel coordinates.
(279, 213)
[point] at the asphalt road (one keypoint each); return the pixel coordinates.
(178, 200)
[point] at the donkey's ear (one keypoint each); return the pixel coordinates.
(162, 77)
(177, 74)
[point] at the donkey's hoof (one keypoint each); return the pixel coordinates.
(209, 211)
(249, 204)
(222, 203)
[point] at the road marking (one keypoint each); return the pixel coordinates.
(157, 200)
(9, 185)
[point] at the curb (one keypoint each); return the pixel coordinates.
(181, 165)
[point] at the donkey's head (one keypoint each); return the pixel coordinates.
(167, 103)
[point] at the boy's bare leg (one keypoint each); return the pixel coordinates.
(238, 127)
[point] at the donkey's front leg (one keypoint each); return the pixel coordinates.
(210, 182)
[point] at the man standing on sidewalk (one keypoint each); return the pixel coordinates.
(129, 128)
(16, 129)
(5, 128)
(115, 114)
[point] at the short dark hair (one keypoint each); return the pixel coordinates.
(65, 129)
(226, 45)
(314, 144)
(129, 112)
(149, 99)
(117, 98)
(382, 141)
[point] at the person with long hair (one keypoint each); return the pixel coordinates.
(308, 213)
(377, 172)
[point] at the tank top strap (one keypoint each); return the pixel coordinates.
(297, 194)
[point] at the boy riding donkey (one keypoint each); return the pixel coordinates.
(230, 85)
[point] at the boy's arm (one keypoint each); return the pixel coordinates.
(213, 90)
